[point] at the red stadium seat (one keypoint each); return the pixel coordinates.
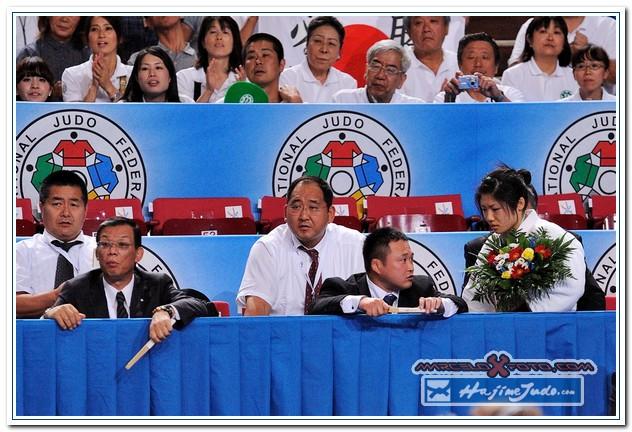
(100, 209)
(378, 206)
(273, 213)
(25, 223)
(611, 302)
(568, 203)
(222, 307)
(568, 221)
(604, 209)
(412, 223)
(217, 226)
(232, 209)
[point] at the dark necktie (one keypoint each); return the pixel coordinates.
(310, 293)
(121, 312)
(389, 299)
(64, 269)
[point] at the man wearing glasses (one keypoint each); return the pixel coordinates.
(118, 289)
(386, 66)
(286, 267)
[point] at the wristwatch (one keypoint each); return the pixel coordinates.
(499, 98)
(167, 308)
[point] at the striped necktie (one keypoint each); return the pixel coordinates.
(121, 312)
(64, 270)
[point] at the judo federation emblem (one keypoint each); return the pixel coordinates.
(605, 271)
(583, 159)
(426, 262)
(354, 153)
(151, 262)
(89, 144)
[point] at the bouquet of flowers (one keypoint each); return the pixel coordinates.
(517, 268)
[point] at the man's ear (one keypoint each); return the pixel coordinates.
(139, 254)
(376, 266)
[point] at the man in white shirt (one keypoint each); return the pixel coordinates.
(286, 267)
(479, 56)
(46, 260)
(388, 281)
(386, 66)
(431, 65)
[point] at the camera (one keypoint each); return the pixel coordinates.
(468, 82)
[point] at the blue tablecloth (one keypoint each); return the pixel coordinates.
(317, 365)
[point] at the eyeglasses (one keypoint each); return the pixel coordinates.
(594, 67)
(117, 245)
(297, 208)
(376, 67)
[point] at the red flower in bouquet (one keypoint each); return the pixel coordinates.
(515, 253)
(490, 258)
(518, 271)
(543, 251)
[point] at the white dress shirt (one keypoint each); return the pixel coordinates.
(277, 270)
(189, 76)
(310, 89)
(360, 96)
(36, 261)
(576, 97)
(421, 82)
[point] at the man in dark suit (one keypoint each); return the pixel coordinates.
(118, 289)
(389, 280)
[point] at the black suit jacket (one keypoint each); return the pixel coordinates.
(87, 294)
(592, 299)
(335, 289)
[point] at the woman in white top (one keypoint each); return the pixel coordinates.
(544, 74)
(315, 78)
(219, 61)
(502, 198)
(590, 69)
(103, 77)
(153, 78)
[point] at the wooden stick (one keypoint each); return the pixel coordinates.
(414, 310)
(149, 345)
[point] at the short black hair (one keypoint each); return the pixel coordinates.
(507, 185)
(62, 178)
(328, 194)
(564, 58)
(376, 244)
(276, 44)
(320, 21)
(234, 59)
(481, 36)
(408, 19)
(119, 221)
(590, 52)
(77, 41)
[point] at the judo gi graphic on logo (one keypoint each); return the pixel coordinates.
(354, 153)
(583, 159)
(91, 145)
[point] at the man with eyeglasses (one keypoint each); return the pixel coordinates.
(386, 66)
(45, 261)
(286, 267)
(118, 289)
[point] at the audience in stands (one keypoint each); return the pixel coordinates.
(118, 289)
(315, 78)
(591, 67)
(34, 80)
(582, 30)
(45, 261)
(478, 55)
(544, 74)
(388, 281)
(386, 66)
(431, 65)
(263, 63)
(153, 78)
(286, 267)
(103, 78)
(170, 31)
(502, 197)
(60, 44)
(218, 64)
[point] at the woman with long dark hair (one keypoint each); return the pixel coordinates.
(219, 61)
(543, 74)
